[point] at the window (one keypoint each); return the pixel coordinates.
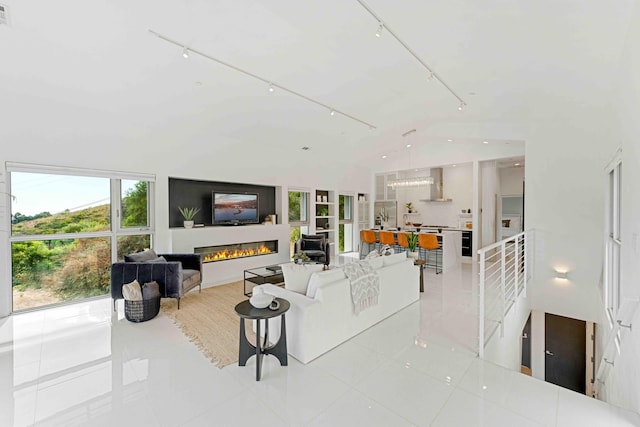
(298, 217)
(613, 241)
(63, 233)
(345, 223)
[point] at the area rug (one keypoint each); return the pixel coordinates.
(209, 320)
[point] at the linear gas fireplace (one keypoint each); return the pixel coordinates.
(237, 250)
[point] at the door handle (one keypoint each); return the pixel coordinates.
(548, 353)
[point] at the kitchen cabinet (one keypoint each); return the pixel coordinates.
(383, 191)
(467, 239)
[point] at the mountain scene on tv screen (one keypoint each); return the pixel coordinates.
(236, 207)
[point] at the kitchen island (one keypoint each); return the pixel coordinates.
(450, 248)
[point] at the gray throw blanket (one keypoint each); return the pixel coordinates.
(365, 285)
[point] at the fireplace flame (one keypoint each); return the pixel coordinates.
(236, 253)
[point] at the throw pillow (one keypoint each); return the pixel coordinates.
(132, 291)
(150, 290)
(320, 279)
(373, 254)
(143, 256)
(159, 259)
(394, 259)
(386, 250)
(312, 245)
(296, 276)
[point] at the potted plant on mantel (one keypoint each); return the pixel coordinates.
(412, 243)
(188, 214)
(384, 218)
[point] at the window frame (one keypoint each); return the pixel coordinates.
(347, 221)
(612, 239)
(305, 200)
(115, 228)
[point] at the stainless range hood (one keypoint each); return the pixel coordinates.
(436, 189)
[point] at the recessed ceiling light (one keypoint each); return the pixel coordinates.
(461, 106)
(332, 112)
(384, 156)
(485, 142)
(408, 145)
(185, 53)
(198, 83)
(449, 140)
(453, 166)
(271, 88)
(516, 164)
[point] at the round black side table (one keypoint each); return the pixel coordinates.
(246, 311)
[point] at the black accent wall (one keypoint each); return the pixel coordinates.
(193, 193)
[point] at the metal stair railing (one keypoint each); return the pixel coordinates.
(504, 272)
(623, 320)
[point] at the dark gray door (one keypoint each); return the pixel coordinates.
(565, 344)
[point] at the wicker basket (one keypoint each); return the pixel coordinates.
(141, 311)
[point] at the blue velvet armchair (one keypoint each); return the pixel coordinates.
(176, 274)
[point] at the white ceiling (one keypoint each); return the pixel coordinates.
(87, 63)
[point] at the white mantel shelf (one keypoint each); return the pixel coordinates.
(184, 240)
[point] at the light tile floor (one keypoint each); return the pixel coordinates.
(83, 365)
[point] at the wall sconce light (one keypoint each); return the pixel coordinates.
(561, 275)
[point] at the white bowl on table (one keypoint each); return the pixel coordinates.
(261, 300)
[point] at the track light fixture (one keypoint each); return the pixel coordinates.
(188, 50)
(332, 112)
(380, 30)
(432, 74)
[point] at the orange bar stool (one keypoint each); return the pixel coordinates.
(387, 238)
(367, 237)
(428, 243)
(403, 244)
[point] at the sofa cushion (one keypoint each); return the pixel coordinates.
(312, 245)
(314, 253)
(190, 278)
(321, 278)
(394, 259)
(311, 242)
(150, 290)
(143, 256)
(296, 276)
(159, 259)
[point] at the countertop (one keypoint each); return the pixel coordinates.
(443, 229)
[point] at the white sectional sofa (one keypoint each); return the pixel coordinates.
(324, 318)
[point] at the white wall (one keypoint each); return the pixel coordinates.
(623, 382)
(511, 180)
(507, 350)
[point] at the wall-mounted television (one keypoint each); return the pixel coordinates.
(235, 208)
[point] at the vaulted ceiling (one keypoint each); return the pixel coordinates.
(92, 71)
